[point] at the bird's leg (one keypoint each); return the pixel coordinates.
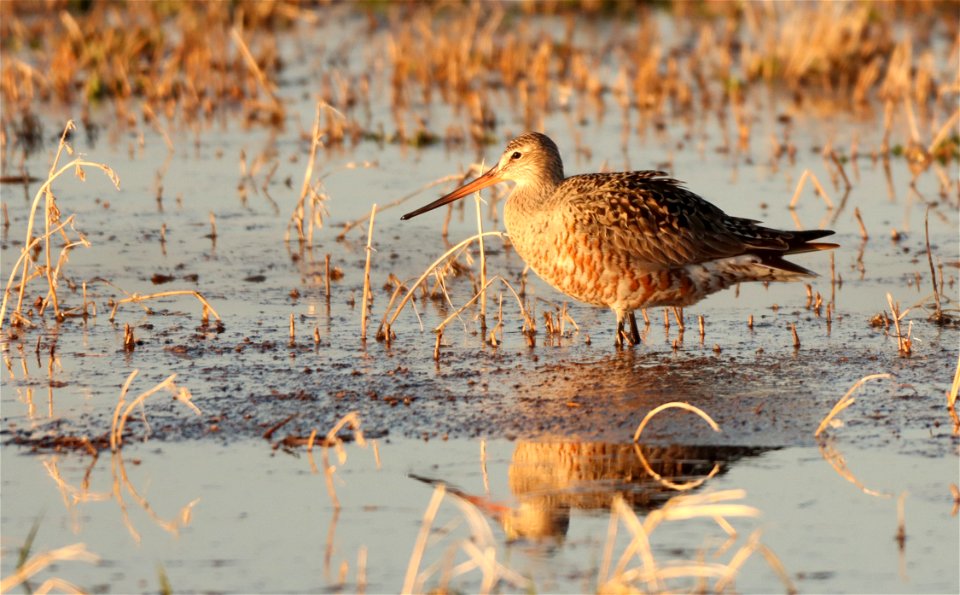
(634, 331)
(631, 338)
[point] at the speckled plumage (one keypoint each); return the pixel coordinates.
(629, 240)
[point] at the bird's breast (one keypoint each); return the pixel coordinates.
(559, 252)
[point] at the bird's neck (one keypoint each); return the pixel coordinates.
(535, 193)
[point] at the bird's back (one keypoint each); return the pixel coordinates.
(658, 222)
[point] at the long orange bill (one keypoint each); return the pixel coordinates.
(488, 179)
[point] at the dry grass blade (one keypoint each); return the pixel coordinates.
(952, 399)
(845, 401)
(365, 301)
(738, 560)
(137, 298)
(433, 267)
(477, 296)
(945, 131)
(77, 551)
(938, 311)
(707, 505)
(674, 405)
(410, 580)
(121, 480)
(485, 559)
(863, 228)
(309, 198)
(774, 561)
(640, 545)
(24, 257)
(251, 63)
(328, 471)
(816, 184)
(608, 546)
(353, 419)
(692, 511)
(332, 439)
(652, 575)
(904, 344)
(51, 221)
(528, 320)
(120, 419)
(61, 585)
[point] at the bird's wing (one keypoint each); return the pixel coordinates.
(653, 220)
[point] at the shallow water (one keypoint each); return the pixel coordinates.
(555, 420)
(263, 521)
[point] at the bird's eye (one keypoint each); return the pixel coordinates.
(516, 155)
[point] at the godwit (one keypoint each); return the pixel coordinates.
(629, 240)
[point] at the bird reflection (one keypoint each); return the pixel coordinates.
(548, 480)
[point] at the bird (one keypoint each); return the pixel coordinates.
(629, 240)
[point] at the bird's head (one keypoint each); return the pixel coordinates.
(530, 159)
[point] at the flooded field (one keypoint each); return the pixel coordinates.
(308, 443)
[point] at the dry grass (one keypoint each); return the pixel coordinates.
(952, 399)
(437, 267)
(643, 460)
(209, 65)
(845, 401)
(121, 483)
(809, 175)
(121, 414)
(822, 57)
(904, 342)
(75, 552)
(136, 298)
(28, 265)
(674, 405)
(479, 550)
(332, 439)
(637, 569)
(367, 297)
(311, 206)
(36, 257)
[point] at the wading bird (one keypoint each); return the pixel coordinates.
(629, 240)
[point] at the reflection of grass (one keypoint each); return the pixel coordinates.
(73, 495)
(627, 568)
(454, 555)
